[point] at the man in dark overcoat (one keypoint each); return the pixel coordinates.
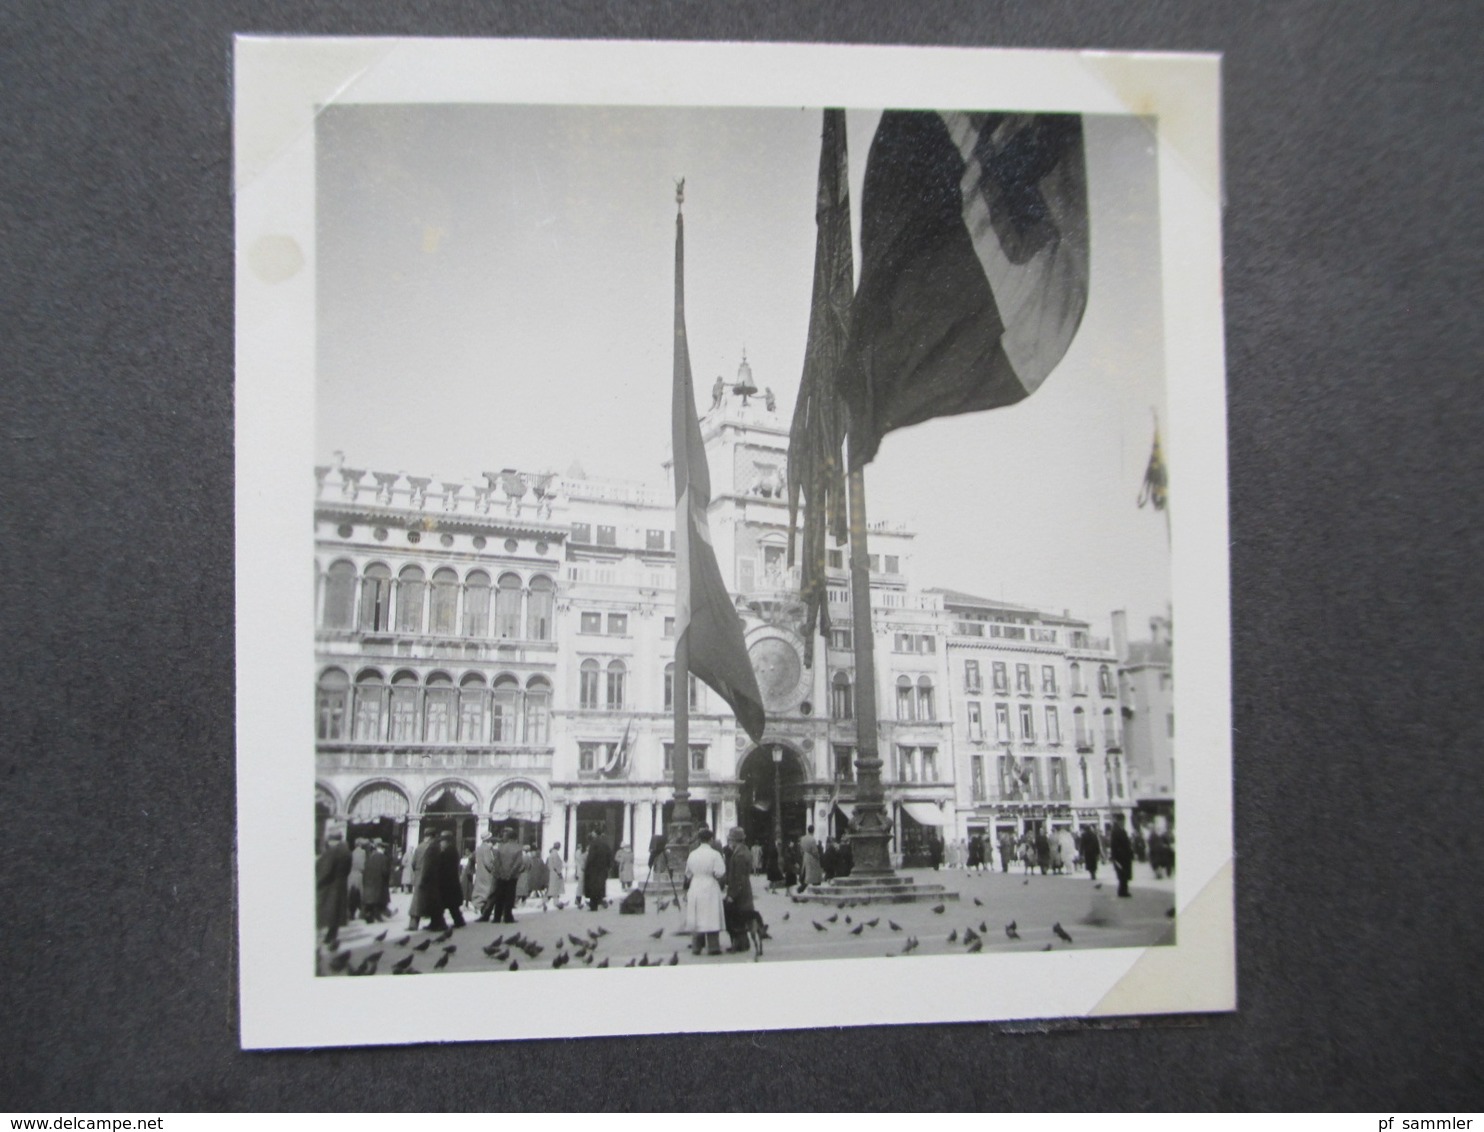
(331, 870)
(1122, 853)
(374, 891)
(438, 888)
(1092, 850)
(738, 908)
(595, 873)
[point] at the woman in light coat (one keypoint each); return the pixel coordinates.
(555, 882)
(704, 870)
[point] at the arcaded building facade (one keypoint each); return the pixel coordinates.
(502, 654)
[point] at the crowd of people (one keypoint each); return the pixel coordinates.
(1062, 851)
(500, 874)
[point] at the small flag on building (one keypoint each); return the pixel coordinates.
(704, 615)
(1156, 479)
(974, 266)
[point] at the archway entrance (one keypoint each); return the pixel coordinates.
(518, 807)
(772, 793)
(451, 810)
(379, 811)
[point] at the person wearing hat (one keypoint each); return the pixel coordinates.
(705, 870)
(374, 891)
(439, 889)
(739, 907)
(507, 862)
(595, 869)
(484, 873)
(331, 871)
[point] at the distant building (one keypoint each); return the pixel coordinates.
(1147, 689)
(502, 654)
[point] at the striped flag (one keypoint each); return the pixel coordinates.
(704, 615)
(974, 266)
(815, 467)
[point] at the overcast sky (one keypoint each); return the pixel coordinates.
(495, 290)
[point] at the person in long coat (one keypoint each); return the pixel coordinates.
(484, 871)
(1053, 844)
(353, 881)
(738, 905)
(1092, 850)
(704, 870)
(595, 868)
(331, 869)
(409, 867)
(523, 885)
(374, 891)
(625, 867)
(813, 865)
(1043, 851)
(540, 875)
(556, 883)
(1122, 853)
(976, 853)
(439, 888)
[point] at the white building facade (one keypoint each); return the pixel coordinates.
(501, 655)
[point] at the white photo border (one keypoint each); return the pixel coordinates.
(280, 84)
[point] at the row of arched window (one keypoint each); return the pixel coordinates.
(374, 601)
(915, 699)
(407, 709)
(605, 687)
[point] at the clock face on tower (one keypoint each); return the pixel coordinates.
(781, 676)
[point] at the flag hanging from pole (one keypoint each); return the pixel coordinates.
(815, 467)
(974, 266)
(1155, 491)
(704, 615)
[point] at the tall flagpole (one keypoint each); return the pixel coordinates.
(870, 833)
(680, 830)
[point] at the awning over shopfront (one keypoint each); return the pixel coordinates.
(846, 808)
(924, 813)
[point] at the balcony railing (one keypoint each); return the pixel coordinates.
(371, 758)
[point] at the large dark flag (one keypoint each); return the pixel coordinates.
(974, 266)
(815, 468)
(704, 615)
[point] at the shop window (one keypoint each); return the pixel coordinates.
(588, 680)
(842, 699)
(334, 691)
(340, 596)
(370, 704)
(503, 704)
(507, 607)
(445, 605)
(925, 705)
(477, 604)
(617, 677)
(376, 599)
(906, 699)
(410, 587)
(472, 697)
(438, 708)
(538, 711)
(540, 604)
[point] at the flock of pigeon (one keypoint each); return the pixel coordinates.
(582, 950)
(972, 940)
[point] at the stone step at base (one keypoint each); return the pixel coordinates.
(890, 892)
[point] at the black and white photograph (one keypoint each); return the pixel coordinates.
(768, 523)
